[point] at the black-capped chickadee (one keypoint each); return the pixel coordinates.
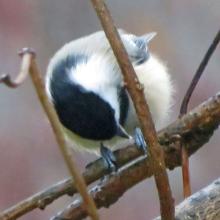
(85, 85)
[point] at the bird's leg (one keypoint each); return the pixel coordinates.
(139, 140)
(109, 158)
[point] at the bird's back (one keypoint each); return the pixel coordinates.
(85, 89)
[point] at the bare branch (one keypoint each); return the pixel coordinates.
(59, 134)
(205, 204)
(109, 191)
(185, 173)
(183, 110)
(194, 129)
(29, 65)
(146, 123)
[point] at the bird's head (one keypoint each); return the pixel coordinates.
(137, 47)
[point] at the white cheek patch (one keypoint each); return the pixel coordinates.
(88, 75)
(158, 87)
(100, 76)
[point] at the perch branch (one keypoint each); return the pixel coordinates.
(108, 192)
(195, 129)
(183, 110)
(205, 204)
(146, 123)
(31, 67)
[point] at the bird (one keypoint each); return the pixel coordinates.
(85, 85)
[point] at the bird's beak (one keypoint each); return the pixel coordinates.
(148, 37)
(122, 133)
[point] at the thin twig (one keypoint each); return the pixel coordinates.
(183, 110)
(195, 129)
(185, 172)
(24, 71)
(29, 57)
(109, 191)
(198, 74)
(146, 123)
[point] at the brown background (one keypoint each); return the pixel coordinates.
(29, 157)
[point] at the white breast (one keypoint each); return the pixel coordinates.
(158, 90)
(101, 76)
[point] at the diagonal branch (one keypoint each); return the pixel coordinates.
(146, 123)
(31, 67)
(59, 134)
(195, 129)
(109, 191)
(198, 74)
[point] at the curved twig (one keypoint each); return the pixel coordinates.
(24, 71)
(183, 110)
(198, 74)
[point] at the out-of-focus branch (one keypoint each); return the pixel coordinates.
(140, 103)
(109, 191)
(205, 204)
(31, 67)
(88, 202)
(183, 110)
(24, 71)
(194, 129)
(198, 74)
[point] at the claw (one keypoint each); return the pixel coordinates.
(109, 158)
(139, 140)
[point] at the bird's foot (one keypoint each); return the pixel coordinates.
(109, 158)
(139, 140)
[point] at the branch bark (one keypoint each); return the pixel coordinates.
(135, 91)
(205, 204)
(193, 129)
(194, 134)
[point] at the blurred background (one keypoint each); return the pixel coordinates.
(29, 158)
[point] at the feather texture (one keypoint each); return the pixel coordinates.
(85, 85)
